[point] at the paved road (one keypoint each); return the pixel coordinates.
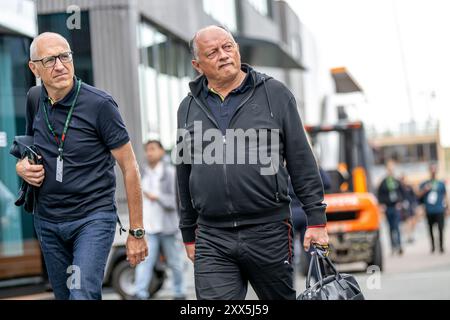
(416, 275)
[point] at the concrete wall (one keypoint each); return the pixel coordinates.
(181, 18)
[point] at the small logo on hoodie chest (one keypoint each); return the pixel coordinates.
(254, 108)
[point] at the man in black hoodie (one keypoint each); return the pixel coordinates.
(235, 214)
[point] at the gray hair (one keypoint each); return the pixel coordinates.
(193, 43)
(33, 46)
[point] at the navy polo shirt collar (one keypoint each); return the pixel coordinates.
(244, 86)
(67, 100)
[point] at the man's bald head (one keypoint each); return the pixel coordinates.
(34, 52)
(47, 63)
(193, 43)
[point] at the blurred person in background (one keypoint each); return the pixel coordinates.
(409, 209)
(433, 195)
(390, 196)
(160, 222)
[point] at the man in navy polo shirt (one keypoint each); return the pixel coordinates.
(80, 134)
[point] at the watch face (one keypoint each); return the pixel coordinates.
(139, 233)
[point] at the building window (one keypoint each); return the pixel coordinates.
(223, 11)
(262, 6)
(164, 74)
(79, 41)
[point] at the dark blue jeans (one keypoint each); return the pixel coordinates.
(393, 217)
(75, 253)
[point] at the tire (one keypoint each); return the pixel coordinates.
(377, 255)
(123, 280)
(157, 282)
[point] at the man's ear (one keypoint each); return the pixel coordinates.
(34, 69)
(196, 66)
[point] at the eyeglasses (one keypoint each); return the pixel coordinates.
(49, 62)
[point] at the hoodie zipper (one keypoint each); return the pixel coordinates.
(242, 103)
(229, 204)
(227, 187)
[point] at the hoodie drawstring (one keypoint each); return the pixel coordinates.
(267, 96)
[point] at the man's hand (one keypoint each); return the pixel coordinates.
(31, 173)
(315, 235)
(136, 250)
(190, 251)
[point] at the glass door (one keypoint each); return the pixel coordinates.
(17, 239)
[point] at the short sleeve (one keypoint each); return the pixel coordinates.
(110, 125)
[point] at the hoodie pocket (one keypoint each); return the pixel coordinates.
(206, 186)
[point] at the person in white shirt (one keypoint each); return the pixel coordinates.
(160, 221)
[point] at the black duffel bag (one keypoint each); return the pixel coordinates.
(335, 286)
(23, 147)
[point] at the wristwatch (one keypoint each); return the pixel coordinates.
(138, 233)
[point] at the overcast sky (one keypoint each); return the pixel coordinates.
(362, 35)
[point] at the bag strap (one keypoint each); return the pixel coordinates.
(319, 259)
(33, 99)
(314, 262)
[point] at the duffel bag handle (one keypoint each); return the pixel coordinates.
(319, 257)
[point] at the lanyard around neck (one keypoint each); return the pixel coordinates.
(391, 183)
(66, 124)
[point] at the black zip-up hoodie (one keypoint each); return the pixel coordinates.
(230, 195)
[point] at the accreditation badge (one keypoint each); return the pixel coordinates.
(393, 196)
(59, 169)
(432, 197)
